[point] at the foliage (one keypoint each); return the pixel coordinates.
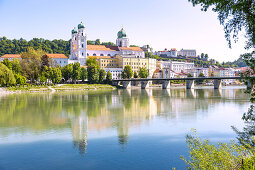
(204, 155)
(76, 72)
(102, 75)
(6, 76)
(200, 81)
(108, 77)
(127, 72)
(67, 72)
(91, 61)
(135, 75)
(189, 75)
(235, 16)
(93, 73)
(83, 74)
(20, 80)
(143, 72)
(18, 46)
(55, 75)
(31, 63)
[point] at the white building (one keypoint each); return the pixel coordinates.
(116, 72)
(59, 59)
(227, 72)
(187, 53)
(80, 50)
(167, 53)
(179, 67)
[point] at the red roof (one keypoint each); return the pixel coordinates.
(11, 56)
(102, 48)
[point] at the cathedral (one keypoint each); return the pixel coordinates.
(80, 50)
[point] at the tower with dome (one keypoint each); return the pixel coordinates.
(80, 50)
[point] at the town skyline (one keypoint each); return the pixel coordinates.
(163, 28)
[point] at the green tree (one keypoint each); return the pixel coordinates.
(200, 81)
(204, 155)
(84, 74)
(20, 80)
(55, 74)
(102, 75)
(135, 75)
(127, 72)
(67, 72)
(6, 76)
(31, 63)
(109, 77)
(91, 61)
(76, 72)
(143, 72)
(97, 42)
(93, 73)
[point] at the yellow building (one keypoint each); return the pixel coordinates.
(121, 62)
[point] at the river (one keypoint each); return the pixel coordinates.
(113, 129)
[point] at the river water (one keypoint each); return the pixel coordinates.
(114, 129)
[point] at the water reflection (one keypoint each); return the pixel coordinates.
(81, 112)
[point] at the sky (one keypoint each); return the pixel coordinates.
(159, 23)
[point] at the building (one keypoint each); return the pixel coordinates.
(10, 57)
(116, 72)
(59, 59)
(179, 67)
(227, 72)
(187, 53)
(167, 53)
(158, 74)
(80, 50)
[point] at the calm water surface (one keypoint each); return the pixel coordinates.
(120, 129)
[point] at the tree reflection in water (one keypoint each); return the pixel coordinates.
(120, 110)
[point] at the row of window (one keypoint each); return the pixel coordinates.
(130, 63)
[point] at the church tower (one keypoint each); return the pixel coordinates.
(79, 44)
(122, 40)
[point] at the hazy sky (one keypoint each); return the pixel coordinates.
(159, 23)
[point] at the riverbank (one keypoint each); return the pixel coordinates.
(59, 87)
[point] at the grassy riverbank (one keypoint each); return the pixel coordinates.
(59, 87)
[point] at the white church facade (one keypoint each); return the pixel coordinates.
(80, 50)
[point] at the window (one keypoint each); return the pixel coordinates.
(109, 55)
(101, 54)
(82, 45)
(94, 54)
(59, 61)
(87, 54)
(82, 54)
(82, 34)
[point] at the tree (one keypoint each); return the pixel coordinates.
(200, 81)
(55, 75)
(135, 75)
(189, 75)
(91, 61)
(102, 75)
(202, 55)
(21, 80)
(31, 63)
(67, 71)
(84, 74)
(143, 72)
(127, 72)
(76, 71)
(235, 16)
(204, 155)
(108, 77)
(93, 73)
(206, 56)
(6, 76)
(97, 42)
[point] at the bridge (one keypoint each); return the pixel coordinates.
(190, 81)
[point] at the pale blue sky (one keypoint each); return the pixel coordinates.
(159, 23)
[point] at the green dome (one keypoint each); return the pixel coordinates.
(74, 31)
(122, 33)
(81, 25)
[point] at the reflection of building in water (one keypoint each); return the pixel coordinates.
(79, 132)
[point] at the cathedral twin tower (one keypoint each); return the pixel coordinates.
(79, 47)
